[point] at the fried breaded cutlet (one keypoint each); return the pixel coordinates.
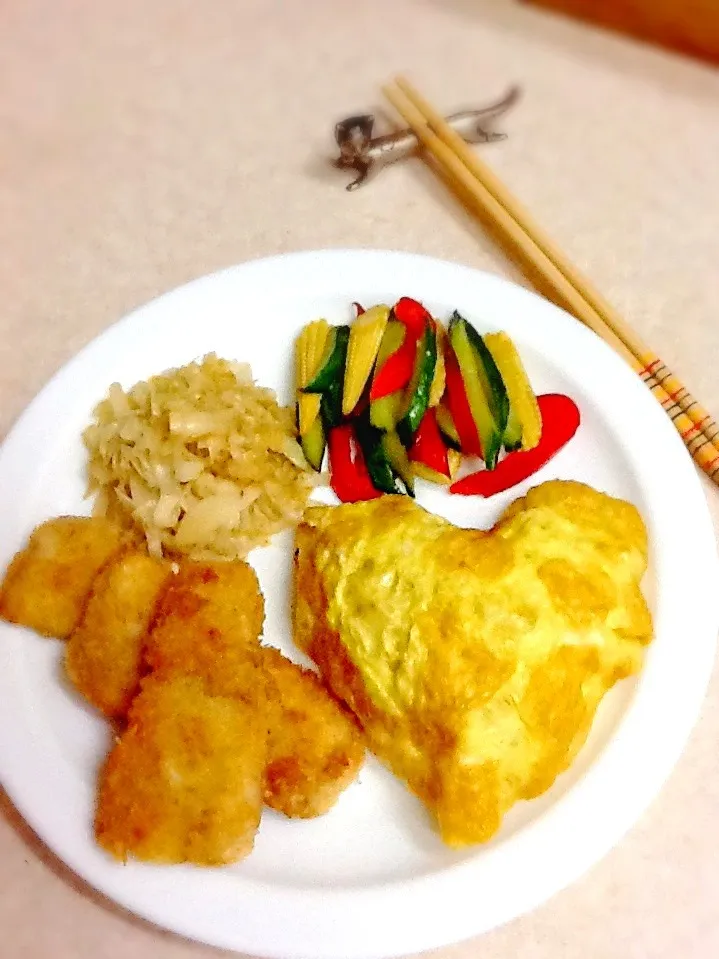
(475, 661)
(315, 746)
(192, 629)
(47, 583)
(207, 622)
(207, 625)
(184, 782)
(103, 657)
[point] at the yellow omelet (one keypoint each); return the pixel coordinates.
(475, 661)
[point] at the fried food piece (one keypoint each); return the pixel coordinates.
(207, 624)
(475, 661)
(103, 657)
(315, 746)
(184, 782)
(46, 585)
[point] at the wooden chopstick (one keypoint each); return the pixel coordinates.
(646, 357)
(482, 190)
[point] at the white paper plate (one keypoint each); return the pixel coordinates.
(370, 879)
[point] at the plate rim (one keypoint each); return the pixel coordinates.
(416, 897)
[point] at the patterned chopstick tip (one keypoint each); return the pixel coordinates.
(712, 468)
(678, 397)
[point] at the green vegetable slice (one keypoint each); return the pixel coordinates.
(397, 456)
(332, 365)
(313, 444)
(417, 394)
(379, 466)
(479, 403)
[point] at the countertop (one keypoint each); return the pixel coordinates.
(143, 144)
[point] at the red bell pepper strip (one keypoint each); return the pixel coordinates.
(359, 309)
(412, 314)
(428, 447)
(459, 406)
(349, 476)
(396, 371)
(560, 421)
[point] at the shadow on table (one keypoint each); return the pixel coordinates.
(673, 72)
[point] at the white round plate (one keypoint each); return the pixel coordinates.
(370, 879)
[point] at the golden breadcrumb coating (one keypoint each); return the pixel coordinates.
(207, 624)
(475, 661)
(184, 782)
(103, 656)
(47, 584)
(315, 746)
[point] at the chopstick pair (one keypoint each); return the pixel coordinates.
(549, 269)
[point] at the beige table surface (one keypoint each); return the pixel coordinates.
(147, 142)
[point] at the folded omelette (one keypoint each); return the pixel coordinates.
(475, 661)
